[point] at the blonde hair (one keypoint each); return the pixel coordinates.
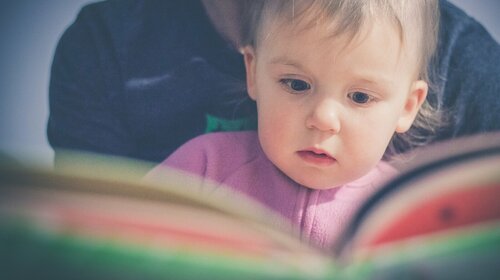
(414, 19)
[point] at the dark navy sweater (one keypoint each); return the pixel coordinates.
(139, 78)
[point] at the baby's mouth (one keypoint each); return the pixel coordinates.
(322, 155)
(316, 157)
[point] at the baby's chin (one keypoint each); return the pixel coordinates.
(330, 180)
(320, 183)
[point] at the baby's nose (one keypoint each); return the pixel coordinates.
(324, 116)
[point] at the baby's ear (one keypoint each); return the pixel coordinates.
(249, 56)
(413, 103)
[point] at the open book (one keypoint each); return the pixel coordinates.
(439, 220)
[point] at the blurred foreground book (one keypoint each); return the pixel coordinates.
(98, 220)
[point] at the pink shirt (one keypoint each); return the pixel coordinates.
(236, 160)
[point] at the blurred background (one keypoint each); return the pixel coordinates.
(29, 31)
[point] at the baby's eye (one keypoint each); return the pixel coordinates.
(296, 85)
(359, 97)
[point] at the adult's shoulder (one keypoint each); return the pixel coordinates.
(146, 38)
(112, 11)
(467, 74)
(121, 22)
(458, 31)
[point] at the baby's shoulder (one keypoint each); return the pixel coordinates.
(235, 141)
(220, 147)
(216, 155)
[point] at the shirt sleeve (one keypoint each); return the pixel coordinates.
(139, 78)
(84, 110)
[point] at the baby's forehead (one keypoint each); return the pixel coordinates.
(329, 24)
(313, 45)
(340, 18)
(414, 22)
(327, 32)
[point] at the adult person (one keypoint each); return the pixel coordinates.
(138, 78)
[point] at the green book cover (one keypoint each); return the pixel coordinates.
(97, 219)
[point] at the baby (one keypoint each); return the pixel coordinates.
(337, 85)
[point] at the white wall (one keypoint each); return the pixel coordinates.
(29, 30)
(485, 11)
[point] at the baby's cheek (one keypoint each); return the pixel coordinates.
(362, 162)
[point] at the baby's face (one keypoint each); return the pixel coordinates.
(328, 108)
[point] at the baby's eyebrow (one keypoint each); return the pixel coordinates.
(375, 78)
(374, 81)
(286, 61)
(379, 84)
(366, 77)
